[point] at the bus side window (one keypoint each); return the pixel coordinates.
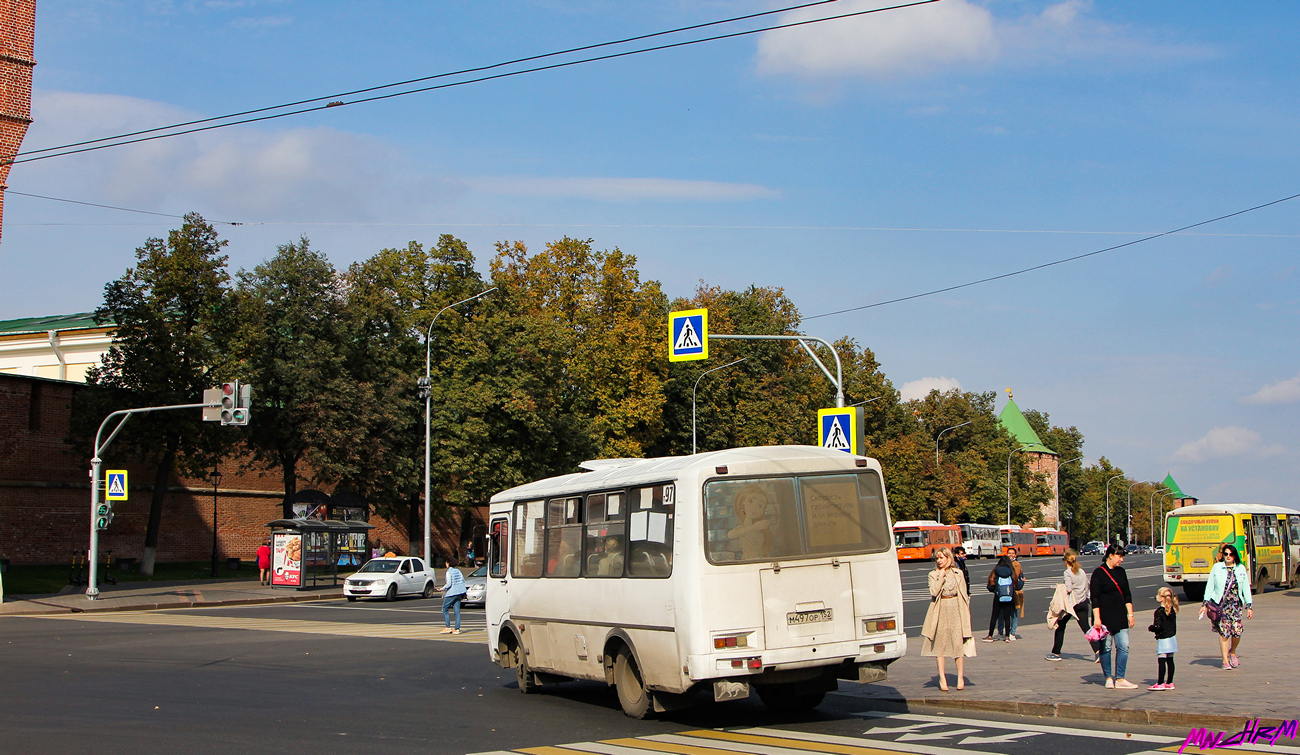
(564, 537)
(606, 542)
(530, 536)
(650, 531)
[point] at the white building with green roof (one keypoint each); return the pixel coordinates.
(1042, 460)
(62, 347)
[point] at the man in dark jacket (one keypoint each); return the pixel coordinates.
(959, 554)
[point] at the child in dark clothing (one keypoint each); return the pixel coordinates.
(1165, 628)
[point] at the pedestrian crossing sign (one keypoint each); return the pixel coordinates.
(115, 486)
(841, 429)
(688, 335)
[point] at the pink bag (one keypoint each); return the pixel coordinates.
(1097, 634)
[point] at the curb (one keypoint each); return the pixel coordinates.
(1174, 719)
(180, 604)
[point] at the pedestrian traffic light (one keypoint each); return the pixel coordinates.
(103, 515)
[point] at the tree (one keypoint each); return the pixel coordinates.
(169, 312)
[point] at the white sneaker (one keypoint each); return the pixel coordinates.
(1110, 683)
(1124, 684)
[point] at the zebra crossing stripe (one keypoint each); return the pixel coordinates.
(785, 741)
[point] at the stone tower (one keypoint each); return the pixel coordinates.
(17, 40)
(1042, 460)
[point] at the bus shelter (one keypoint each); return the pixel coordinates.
(308, 552)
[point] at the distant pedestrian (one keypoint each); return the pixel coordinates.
(264, 561)
(1165, 627)
(453, 592)
(1227, 592)
(1076, 604)
(959, 555)
(946, 632)
(1112, 607)
(1002, 583)
(1018, 601)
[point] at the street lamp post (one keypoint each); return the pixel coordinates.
(1013, 453)
(1108, 482)
(215, 477)
(697, 385)
(1068, 516)
(426, 387)
(1058, 484)
(1162, 517)
(1128, 523)
(1151, 514)
(938, 507)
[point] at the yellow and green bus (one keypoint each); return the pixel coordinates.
(1267, 537)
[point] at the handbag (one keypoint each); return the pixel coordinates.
(1097, 634)
(1211, 610)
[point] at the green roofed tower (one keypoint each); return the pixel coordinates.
(1042, 460)
(1180, 498)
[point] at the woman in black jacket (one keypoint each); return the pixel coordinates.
(1112, 607)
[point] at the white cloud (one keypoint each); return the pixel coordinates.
(911, 40)
(243, 174)
(918, 389)
(619, 189)
(954, 34)
(1223, 442)
(1282, 392)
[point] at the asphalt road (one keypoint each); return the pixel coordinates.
(377, 677)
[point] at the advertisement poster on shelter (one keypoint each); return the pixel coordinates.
(286, 560)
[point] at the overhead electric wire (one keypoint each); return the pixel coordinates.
(1022, 271)
(108, 207)
(480, 79)
(463, 71)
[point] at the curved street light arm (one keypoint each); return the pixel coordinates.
(697, 385)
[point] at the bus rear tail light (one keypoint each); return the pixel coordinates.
(731, 641)
(879, 625)
(751, 663)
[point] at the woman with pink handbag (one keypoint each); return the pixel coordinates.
(1112, 610)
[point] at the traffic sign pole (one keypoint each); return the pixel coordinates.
(837, 379)
(92, 588)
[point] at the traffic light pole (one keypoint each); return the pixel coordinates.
(92, 586)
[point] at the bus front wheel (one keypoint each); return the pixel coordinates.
(632, 695)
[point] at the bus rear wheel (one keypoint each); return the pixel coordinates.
(632, 694)
(790, 698)
(527, 682)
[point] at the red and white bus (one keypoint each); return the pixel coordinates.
(1017, 539)
(918, 539)
(1050, 542)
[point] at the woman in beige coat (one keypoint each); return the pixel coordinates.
(946, 632)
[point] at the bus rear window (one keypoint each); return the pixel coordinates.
(794, 517)
(1206, 528)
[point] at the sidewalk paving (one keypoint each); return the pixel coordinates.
(1014, 677)
(144, 596)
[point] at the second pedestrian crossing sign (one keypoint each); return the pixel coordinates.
(688, 335)
(115, 485)
(841, 429)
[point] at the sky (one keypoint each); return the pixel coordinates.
(848, 162)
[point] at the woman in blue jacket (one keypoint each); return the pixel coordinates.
(1228, 590)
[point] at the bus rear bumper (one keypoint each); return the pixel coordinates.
(875, 654)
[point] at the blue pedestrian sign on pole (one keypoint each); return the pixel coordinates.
(841, 429)
(115, 487)
(688, 335)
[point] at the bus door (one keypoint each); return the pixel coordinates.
(498, 587)
(1293, 549)
(1266, 550)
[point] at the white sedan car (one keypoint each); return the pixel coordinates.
(389, 577)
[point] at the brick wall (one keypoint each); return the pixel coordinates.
(1046, 465)
(17, 42)
(45, 494)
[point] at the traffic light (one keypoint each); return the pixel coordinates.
(234, 403)
(103, 515)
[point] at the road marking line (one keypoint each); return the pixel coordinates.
(600, 748)
(748, 749)
(1150, 738)
(823, 743)
(646, 743)
(300, 626)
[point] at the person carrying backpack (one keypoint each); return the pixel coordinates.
(1002, 583)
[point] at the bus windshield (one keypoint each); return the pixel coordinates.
(908, 539)
(794, 517)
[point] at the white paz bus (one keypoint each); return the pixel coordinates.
(765, 569)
